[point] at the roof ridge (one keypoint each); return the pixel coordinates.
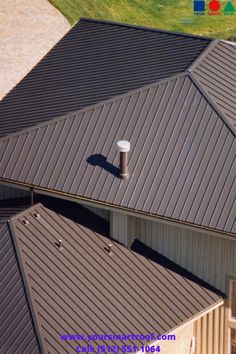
(212, 103)
(100, 103)
(150, 29)
(204, 52)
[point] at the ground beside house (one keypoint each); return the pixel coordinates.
(28, 30)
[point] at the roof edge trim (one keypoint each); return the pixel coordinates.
(228, 42)
(211, 102)
(25, 283)
(150, 29)
(72, 197)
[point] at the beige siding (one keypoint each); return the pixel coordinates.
(9, 192)
(182, 343)
(209, 257)
(119, 227)
(209, 333)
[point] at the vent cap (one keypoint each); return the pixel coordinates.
(123, 145)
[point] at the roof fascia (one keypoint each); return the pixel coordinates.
(124, 210)
(25, 279)
(150, 29)
(211, 102)
(202, 55)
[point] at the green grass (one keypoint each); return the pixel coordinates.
(163, 14)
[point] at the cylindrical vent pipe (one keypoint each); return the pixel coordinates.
(124, 148)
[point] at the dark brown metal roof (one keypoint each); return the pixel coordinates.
(182, 160)
(82, 289)
(216, 72)
(96, 60)
(17, 334)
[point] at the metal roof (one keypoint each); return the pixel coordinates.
(95, 60)
(81, 288)
(216, 72)
(17, 334)
(182, 160)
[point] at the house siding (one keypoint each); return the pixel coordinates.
(105, 214)
(119, 227)
(209, 331)
(182, 342)
(9, 192)
(209, 257)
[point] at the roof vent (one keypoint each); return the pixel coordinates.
(25, 222)
(124, 148)
(109, 249)
(59, 244)
(36, 215)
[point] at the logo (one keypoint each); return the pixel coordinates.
(213, 8)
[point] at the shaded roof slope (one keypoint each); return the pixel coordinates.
(216, 72)
(81, 288)
(182, 160)
(96, 60)
(17, 334)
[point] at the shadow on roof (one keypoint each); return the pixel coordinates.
(75, 212)
(101, 161)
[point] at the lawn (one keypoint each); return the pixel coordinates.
(163, 14)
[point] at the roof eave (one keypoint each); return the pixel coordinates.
(109, 206)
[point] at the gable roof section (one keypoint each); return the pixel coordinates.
(17, 334)
(82, 289)
(182, 160)
(216, 72)
(96, 60)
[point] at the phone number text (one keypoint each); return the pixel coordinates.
(116, 349)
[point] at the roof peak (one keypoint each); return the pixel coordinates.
(150, 29)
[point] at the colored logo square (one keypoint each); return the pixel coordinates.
(199, 6)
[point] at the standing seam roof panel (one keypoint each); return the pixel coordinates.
(15, 318)
(68, 78)
(65, 275)
(185, 143)
(216, 72)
